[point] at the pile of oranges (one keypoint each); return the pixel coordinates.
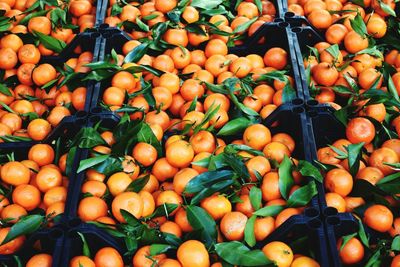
(33, 96)
(30, 185)
(190, 175)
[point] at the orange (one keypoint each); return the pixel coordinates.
(339, 181)
(11, 246)
(263, 227)
(381, 156)
(395, 261)
(320, 18)
(169, 263)
(148, 203)
(270, 186)
(276, 151)
(232, 225)
(142, 257)
(48, 178)
(29, 54)
(15, 173)
(8, 58)
(352, 252)
(354, 43)
(144, 153)
(190, 14)
(179, 154)
(360, 130)
(304, 261)
(379, 218)
(79, 98)
(217, 206)
(118, 182)
(83, 261)
(284, 215)
(91, 208)
(55, 194)
(279, 252)
(38, 129)
(370, 174)
(42, 260)
(55, 209)
(336, 201)
(129, 201)
(353, 202)
(114, 96)
(258, 164)
(13, 211)
(108, 257)
(182, 221)
(171, 228)
(12, 41)
(324, 74)
(40, 24)
(182, 178)
(193, 253)
(257, 136)
(27, 196)
(43, 74)
(335, 33)
(276, 57)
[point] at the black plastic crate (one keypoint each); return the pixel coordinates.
(51, 242)
(291, 120)
(283, 37)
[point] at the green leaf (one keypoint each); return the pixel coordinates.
(255, 196)
(303, 195)
(235, 162)
(209, 4)
(237, 253)
(116, 9)
(234, 126)
(28, 17)
(50, 42)
(244, 26)
(144, 27)
(130, 218)
(85, 246)
(206, 192)
(269, 211)
(70, 160)
(249, 235)
(373, 51)
(146, 135)
(346, 239)
(26, 225)
(333, 50)
(374, 261)
(138, 184)
(387, 9)
(164, 210)
(7, 107)
(156, 249)
(362, 234)
(259, 5)
(5, 90)
(392, 89)
(396, 244)
(137, 53)
(354, 152)
(285, 177)
(288, 93)
(358, 25)
(309, 170)
(207, 179)
(90, 162)
(201, 221)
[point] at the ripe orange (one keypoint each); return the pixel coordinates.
(13, 245)
(142, 257)
(379, 218)
(91, 208)
(15, 173)
(352, 252)
(108, 256)
(78, 261)
(42, 260)
(279, 252)
(233, 224)
(193, 253)
(129, 201)
(360, 130)
(27, 196)
(339, 181)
